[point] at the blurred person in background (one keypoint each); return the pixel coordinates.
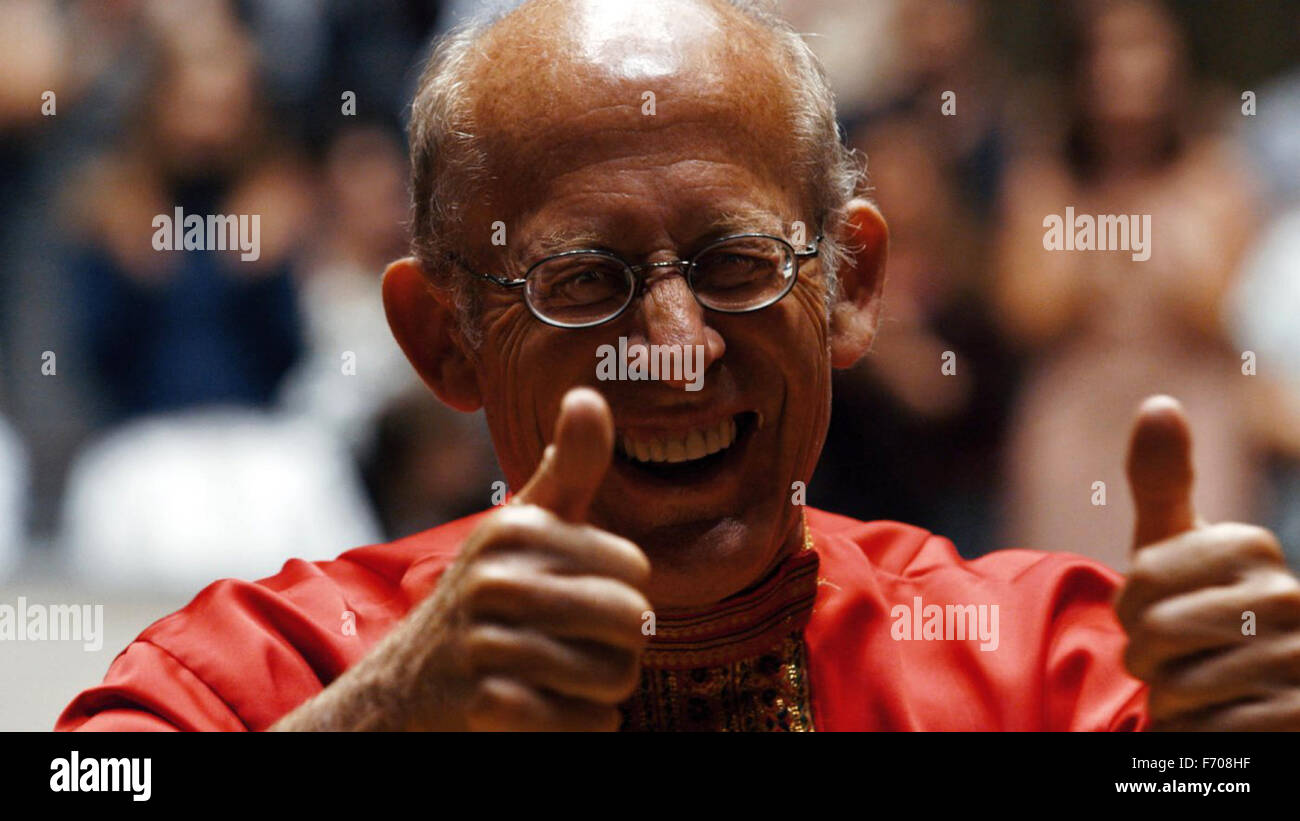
(919, 424)
(1265, 319)
(912, 436)
(858, 44)
(1266, 300)
(423, 463)
(1105, 329)
(35, 60)
(1272, 133)
(428, 464)
(73, 77)
(352, 367)
(951, 86)
(193, 473)
(163, 330)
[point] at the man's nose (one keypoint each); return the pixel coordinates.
(671, 316)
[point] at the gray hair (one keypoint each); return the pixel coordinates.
(445, 157)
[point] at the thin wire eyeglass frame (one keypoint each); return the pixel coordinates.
(635, 272)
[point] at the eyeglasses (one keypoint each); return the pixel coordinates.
(583, 288)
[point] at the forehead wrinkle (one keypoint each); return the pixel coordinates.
(693, 195)
(615, 162)
(601, 124)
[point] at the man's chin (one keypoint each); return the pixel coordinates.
(701, 561)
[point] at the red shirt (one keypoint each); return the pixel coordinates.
(881, 651)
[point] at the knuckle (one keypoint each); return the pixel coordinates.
(632, 601)
(1153, 625)
(486, 645)
(1285, 592)
(609, 549)
(1144, 572)
(489, 583)
(626, 611)
(515, 525)
(1259, 544)
(496, 703)
(638, 563)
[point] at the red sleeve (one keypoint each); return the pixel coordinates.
(244, 654)
(146, 689)
(1086, 686)
(1057, 663)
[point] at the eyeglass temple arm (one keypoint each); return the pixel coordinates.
(502, 281)
(811, 249)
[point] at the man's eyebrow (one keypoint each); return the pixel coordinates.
(731, 221)
(556, 242)
(743, 220)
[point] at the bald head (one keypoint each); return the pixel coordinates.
(499, 103)
(573, 79)
(638, 42)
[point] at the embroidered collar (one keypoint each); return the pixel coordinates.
(743, 625)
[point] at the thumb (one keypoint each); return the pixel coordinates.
(1160, 471)
(573, 465)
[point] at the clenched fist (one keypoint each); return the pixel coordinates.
(1211, 611)
(535, 626)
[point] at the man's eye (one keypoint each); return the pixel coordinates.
(732, 270)
(585, 277)
(582, 283)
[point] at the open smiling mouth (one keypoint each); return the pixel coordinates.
(687, 456)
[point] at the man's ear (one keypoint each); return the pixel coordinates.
(855, 315)
(424, 321)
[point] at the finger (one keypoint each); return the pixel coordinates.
(1278, 712)
(1209, 557)
(1184, 629)
(574, 464)
(577, 669)
(1160, 471)
(1269, 596)
(560, 547)
(503, 704)
(1253, 671)
(582, 607)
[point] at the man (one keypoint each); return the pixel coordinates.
(654, 569)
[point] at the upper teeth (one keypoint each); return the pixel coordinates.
(679, 447)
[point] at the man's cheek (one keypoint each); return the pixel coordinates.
(813, 321)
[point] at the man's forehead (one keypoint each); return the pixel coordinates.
(585, 80)
(632, 40)
(707, 222)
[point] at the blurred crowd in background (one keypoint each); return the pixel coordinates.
(168, 418)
